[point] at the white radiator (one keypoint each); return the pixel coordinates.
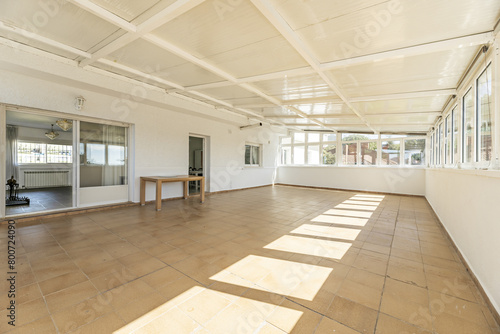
(46, 178)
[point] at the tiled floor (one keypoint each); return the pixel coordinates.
(42, 200)
(266, 260)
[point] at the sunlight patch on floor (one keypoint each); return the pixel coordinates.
(327, 219)
(327, 231)
(283, 277)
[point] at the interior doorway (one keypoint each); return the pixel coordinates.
(197, 161)
(39, 163)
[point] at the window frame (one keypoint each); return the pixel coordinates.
(253, 145)
(45, 156)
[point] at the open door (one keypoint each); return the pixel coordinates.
(197, 158)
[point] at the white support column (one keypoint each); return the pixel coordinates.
(3, 158)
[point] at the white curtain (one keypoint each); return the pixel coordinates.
(11, 152)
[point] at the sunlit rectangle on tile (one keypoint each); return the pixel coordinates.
(275, 275)
(361, 202)
(349, 213)
(310, 246)
(327, 231)
(377, 198)
(340, 220)
(355, 207)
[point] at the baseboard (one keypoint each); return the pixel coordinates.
(348, 190)
(483, 293)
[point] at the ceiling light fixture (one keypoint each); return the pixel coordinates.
(64, 124)
(52, 134)
(79, 101)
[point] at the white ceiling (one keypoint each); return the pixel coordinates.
(372, 65)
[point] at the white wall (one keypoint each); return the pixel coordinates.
(409, 181)
(467, 203)
(162, 123)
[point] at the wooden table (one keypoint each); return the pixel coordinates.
(161, 179)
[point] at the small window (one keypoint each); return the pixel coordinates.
(252, 155)
(61, 154)
(31, 153)
(415, 152)
(369, 153)
(468, 128)
(350, 154)
(391, 152)
(330, 154)
(483, 116)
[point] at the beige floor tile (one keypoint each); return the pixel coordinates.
(72, 317)
(174, 320)
(329, 326)
(41, 326)
(70, 296)
(62, 282)
(352, 314)
(24, 314)
(109, 323)
(204, 306)
(446, 323)
(153, 268)
(389, 325)
(141, 307)
(293, 318)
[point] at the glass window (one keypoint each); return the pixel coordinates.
(286, 155)
(330, 154)
(432, 149)
(313, 137)
(329, 137)
(31, 153)
(468, 127)
(298, 155)
(391, 152)
(440, 144)
(447, 142)
(454, 136)
(350, 154)
(415, 152)
(357, 136)
(299, 138)
(61, 154)
(313, 154)
(286, 140)
(96, 154)
(368, 153)
(103, 155)
(252, 155)
(484, 116)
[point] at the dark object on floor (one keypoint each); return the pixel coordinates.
(14, 198)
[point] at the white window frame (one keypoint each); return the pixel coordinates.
(252, 145)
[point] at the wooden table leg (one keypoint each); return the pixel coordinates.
(143, 192)
(186, 185)
(202, 190)
(158, 195)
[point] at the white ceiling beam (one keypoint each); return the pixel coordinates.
(104, 14)
(449, 44)
(278, 75)
(402, 96)
(171, 12)
(257, 105)
(209, 86)
(313, 100)
(270, 13)
(146, 76)
(331, 116)
(47, 41)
